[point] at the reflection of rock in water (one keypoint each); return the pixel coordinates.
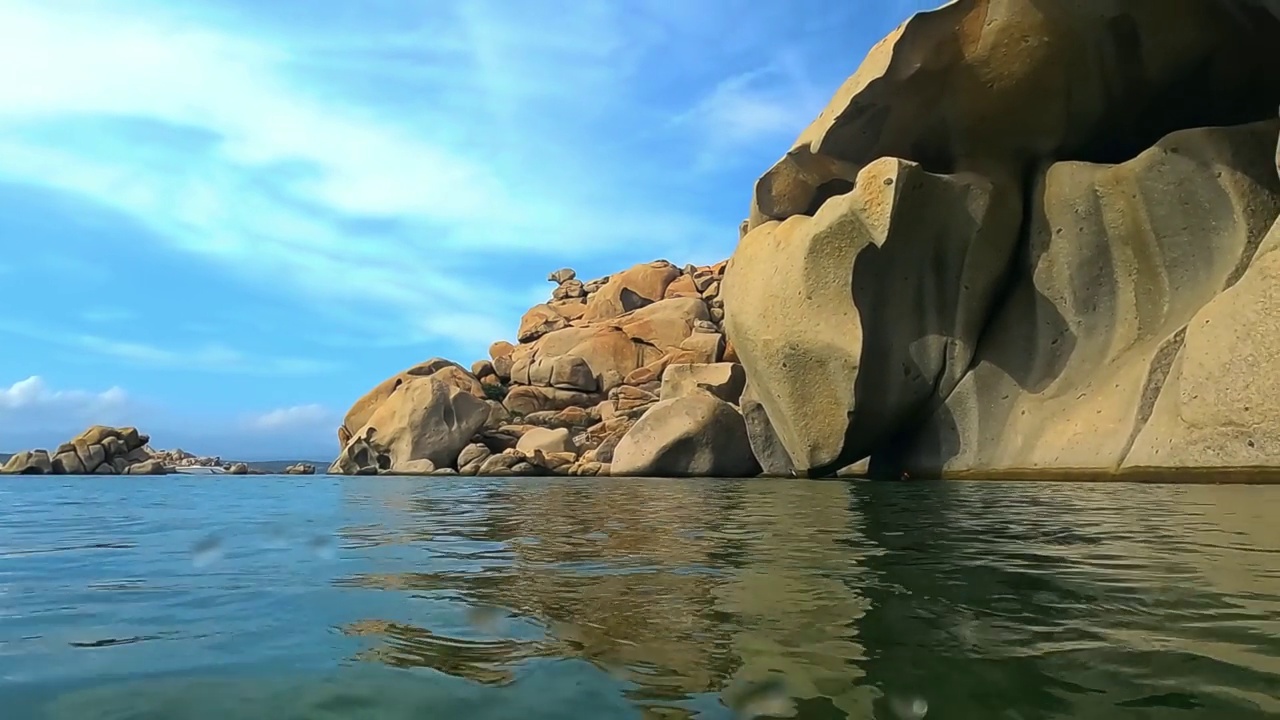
(678, 588)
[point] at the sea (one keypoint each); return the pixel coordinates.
(292, 598)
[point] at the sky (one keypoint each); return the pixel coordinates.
(223, 221)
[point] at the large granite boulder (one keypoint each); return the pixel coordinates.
(424, 419)
(449, 371)
(849, 322)
(1121, 258)
(694, 435)
(975, 83)
(985, 253)
(99, 450)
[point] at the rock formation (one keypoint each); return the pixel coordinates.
(588, 365)
(1025, 236)
(99, 450)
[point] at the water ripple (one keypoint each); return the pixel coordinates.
(609, 598)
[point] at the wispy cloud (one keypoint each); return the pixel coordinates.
(292, 419)
(209, 356)
(31, 408)
(221, 142)
(33, 392)
(771, 103)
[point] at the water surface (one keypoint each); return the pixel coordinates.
(318, 597)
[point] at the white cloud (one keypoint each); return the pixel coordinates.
(272, 156)
(210, 356)
(292, 419)
(773, 103)
(30, 408)
(34, 393)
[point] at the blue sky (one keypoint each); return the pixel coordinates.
(223, 221)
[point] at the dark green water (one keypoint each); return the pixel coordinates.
(290, 598)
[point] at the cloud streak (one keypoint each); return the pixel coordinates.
(215, 140)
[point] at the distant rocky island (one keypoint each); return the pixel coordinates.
(1028, 239)
(102, 450)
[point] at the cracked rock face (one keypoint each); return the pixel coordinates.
(1001, 245)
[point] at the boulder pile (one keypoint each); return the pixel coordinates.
(99, 450)
(1025, 237)
(623, 374)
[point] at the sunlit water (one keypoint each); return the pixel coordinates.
(316, 597)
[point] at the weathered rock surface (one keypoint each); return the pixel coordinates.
(690, 436)
(1021, 238)
(99, 450)
(424, 418)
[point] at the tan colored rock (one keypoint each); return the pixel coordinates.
(701, 348)
(631, 289)
(498, 414)
(649, 373)
(975, 83)
(567, 372)
(96, 435)
(538, 321)
(765, 446)
(150, 466)
(132, 439)
(499, 464)
(664, 324)
(723, 380)
(425, 419)
(682, 286)
(562, 276)
(119, 464)
(29, 462)
(300, 469)
(546, 440)
(695, 435)
(234, 469)
(420, 466)
(91, 456)
(482, 369)
(500, 353)
(1122, 258)
(105, 468)
(1220, 404)
(364, 408)
(569, 290)
(608, 351)
(886, 289)
(473, 453)
(525, 399)
(67, 463)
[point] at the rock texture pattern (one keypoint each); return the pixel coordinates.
(99, 450)
(1023, 238)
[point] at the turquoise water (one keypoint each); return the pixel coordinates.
(317, 597)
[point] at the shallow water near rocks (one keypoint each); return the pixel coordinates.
(320, 597)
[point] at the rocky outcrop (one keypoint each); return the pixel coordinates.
(1023, 237)
(300, 469)
(694, 435)
(99, 450)
(590, 363)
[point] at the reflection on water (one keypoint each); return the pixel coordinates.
(603, 598)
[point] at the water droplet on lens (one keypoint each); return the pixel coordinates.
(206, 552)
(766, 698)
(323, 547)
(909, 709)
